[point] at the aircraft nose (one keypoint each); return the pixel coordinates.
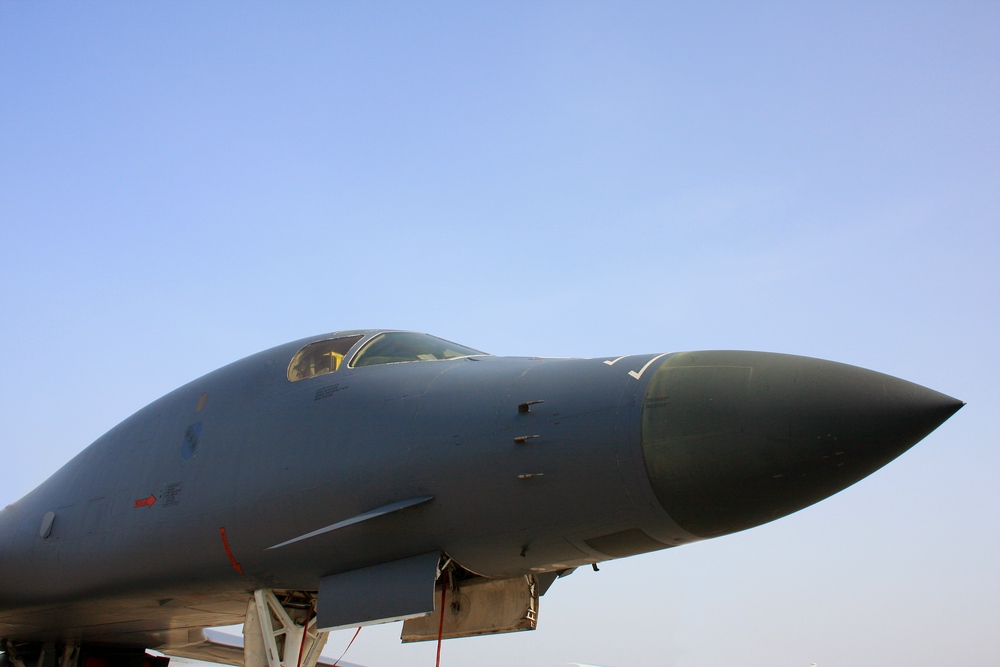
(732, 440)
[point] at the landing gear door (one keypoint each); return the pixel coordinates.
(383, 593)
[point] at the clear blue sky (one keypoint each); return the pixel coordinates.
(183, 184)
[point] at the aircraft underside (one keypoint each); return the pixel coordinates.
(281, 627)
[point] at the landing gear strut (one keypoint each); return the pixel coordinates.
(280, 630)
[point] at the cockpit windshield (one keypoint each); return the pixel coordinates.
(396, 346)
(320, 358)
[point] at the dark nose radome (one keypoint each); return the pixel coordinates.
(732, 440)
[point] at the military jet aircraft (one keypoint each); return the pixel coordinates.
(362, 477)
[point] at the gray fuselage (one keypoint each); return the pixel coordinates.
(520, 466)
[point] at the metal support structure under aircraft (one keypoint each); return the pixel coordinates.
(282, 633)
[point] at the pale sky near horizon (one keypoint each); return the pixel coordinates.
(183, 184)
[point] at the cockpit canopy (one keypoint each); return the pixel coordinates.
(397, 346)
(319, 358)
(390, 347)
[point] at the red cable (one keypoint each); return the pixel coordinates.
(305, 633)
(444, 590)
(348, 647)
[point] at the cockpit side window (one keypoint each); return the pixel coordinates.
(318, 358)
(396, 346)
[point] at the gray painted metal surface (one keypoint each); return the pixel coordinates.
(243, 480)
(386, 592)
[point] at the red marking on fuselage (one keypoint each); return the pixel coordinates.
(225, 544)
(145, 502)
